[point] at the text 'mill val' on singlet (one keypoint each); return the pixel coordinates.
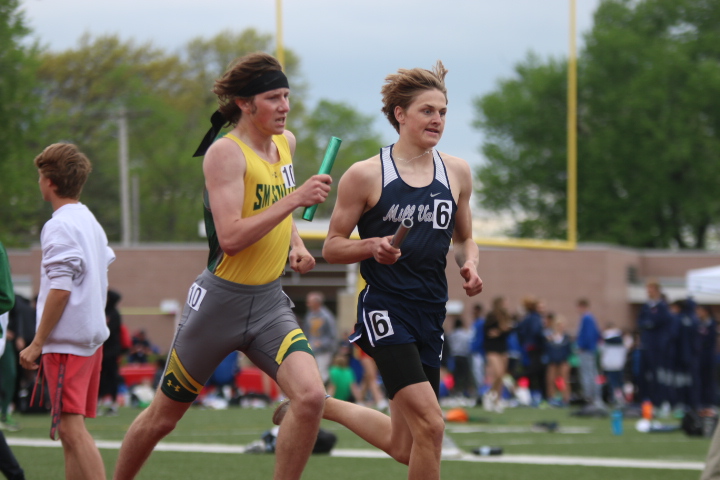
(265, 184)
(419, 273)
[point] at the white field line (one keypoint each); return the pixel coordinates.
(370, 453)
(512, 429)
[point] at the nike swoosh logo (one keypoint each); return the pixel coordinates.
(434, 194)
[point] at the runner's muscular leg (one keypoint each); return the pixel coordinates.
(393, 434)
(299, 379)
(388, 433)
(423, 417)
(151, 426)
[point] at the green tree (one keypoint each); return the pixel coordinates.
(525, 148)
(207, 59)
(84, 91)
(168, 99)
(172, 185)
(332, 119)
(18, 113)
(648, 130)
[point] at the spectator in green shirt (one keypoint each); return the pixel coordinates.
(341, 383)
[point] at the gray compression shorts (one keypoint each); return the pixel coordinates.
(221, 316)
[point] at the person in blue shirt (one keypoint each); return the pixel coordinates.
(477, 347)
(532, 338)
(656, 326)
(707, 331)
(459, 341)
(224, 377)
(588, 337)
(687, 342)
(558, 348)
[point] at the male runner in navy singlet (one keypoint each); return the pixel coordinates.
(402, 309)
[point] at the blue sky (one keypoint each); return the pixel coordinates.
(347, 48)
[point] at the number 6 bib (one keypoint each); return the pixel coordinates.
(380, 324)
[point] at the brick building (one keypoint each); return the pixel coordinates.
(154, 279)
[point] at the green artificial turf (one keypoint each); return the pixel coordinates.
(510, 430)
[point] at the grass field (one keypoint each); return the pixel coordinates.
(577, 437)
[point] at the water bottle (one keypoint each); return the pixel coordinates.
(487, 450)
(616, 419)
(647, 410)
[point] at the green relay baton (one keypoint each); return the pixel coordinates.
(325, 167)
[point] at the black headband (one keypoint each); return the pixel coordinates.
(264, 83)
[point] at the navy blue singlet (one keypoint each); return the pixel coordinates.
(419, 274)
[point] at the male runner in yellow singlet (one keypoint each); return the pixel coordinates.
(237, 303)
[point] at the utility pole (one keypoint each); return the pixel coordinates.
(135, 209)
(124, 181)
(572, 131)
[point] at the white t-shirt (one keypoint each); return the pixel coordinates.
(75, 257)
(459, 342)
(613, 350)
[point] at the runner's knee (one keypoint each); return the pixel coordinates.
(163, 426)
(309, 404)
(436, 429)
(70, 431)
(159, 421)
(429, 428)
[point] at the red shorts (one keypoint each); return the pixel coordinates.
(81, 381)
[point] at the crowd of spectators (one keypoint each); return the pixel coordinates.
(665, 357)
(503, 357)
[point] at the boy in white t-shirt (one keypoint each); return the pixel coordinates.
(613, 355)
(71, 324)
